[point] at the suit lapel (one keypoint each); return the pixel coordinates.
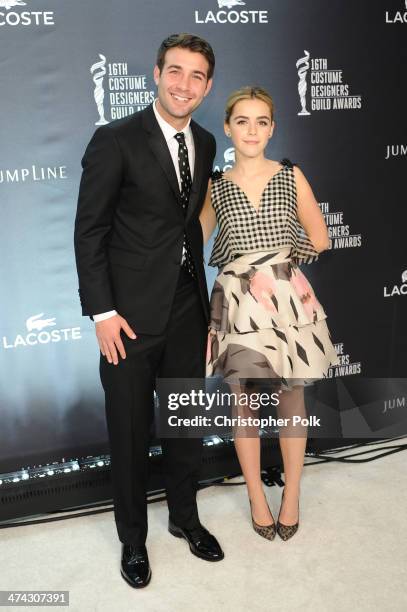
(161, 152)
(198, 169)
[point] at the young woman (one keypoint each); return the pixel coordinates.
(266, 321)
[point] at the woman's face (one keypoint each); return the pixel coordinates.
(250, 127)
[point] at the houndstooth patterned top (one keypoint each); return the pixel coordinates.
(243, 229)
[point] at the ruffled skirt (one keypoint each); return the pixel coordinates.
(266, 323)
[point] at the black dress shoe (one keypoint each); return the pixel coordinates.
(135, 567)
(201, 543)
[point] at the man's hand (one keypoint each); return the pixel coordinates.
(108, 335)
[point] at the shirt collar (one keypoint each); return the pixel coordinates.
(168, 130)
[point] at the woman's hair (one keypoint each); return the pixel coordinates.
(248, 93)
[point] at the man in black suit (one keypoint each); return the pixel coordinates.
(139, 255)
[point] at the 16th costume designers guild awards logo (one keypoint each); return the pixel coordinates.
(116, 92)
(346, 366)
(340, 233)
(229, 11)
(23, 18)
(321, 88)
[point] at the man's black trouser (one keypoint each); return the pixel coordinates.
(179, 352)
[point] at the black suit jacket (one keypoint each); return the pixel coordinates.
(129, 224)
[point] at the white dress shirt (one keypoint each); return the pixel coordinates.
(169, 132)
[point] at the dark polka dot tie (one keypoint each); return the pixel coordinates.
(186, 182)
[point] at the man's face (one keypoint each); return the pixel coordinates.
(182, 83)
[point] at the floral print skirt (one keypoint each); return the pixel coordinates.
(266, 322)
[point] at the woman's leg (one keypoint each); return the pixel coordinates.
(247, 445)
(293, 441)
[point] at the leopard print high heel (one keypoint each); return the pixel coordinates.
(265, 531)
(287, 531)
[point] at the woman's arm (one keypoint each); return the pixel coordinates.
(309, 213)
(207, 216)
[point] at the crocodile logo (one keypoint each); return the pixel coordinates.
(35, 322)
(8, 4)
(231, 3)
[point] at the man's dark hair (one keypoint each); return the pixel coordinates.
(187, 41)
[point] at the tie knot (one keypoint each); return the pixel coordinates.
(180, 137)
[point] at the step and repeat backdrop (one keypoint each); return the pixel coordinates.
(337, 72)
